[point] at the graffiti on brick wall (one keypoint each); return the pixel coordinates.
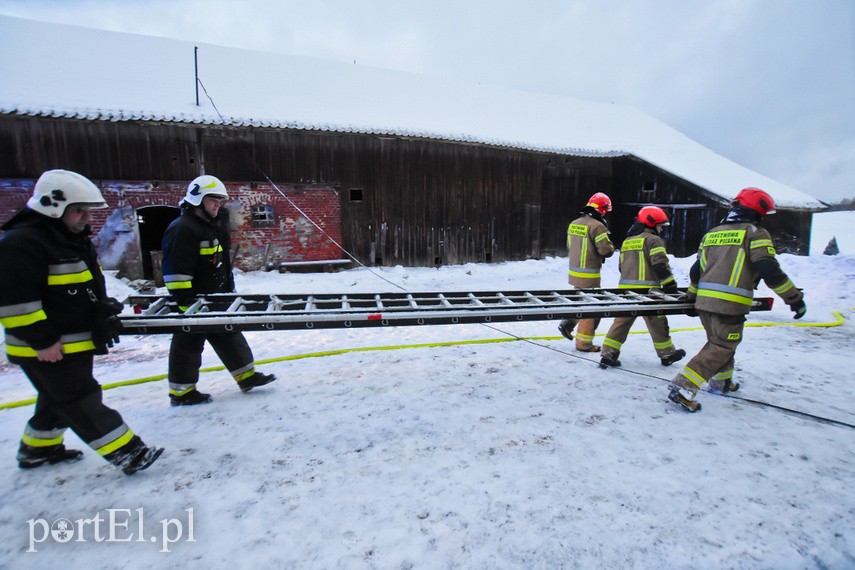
(283, 235)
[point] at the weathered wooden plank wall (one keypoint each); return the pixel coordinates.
(414, 202)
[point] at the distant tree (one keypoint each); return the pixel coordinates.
(845, 204)
(831, 248)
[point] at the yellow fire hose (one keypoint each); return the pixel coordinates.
(7, 405)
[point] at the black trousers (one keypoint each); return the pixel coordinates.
(70, 397)
(185, 354)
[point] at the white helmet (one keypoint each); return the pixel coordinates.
(205, 185)
(55, 190)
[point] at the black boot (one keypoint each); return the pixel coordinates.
(678, 397)
(566, 331)
(257, 379)
(134, 456)
(30, 456)
(142, 460)
(191, 398)
(673, 357)
(609, 361)
(723, 386)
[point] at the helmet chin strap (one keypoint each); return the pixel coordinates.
(202, 212)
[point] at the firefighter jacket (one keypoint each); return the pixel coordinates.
(588, 245)
(644, 261)
(196, 256)
(732, 259)
(50, 286)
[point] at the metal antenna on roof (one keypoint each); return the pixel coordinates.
(196, 67)
(296, 207)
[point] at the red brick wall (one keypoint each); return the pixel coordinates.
(291, 237)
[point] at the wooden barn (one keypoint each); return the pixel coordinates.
(466, 174)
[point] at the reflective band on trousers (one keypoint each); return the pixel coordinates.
(243, 372)
(42, 438)
(113, 440)
(180, 389)
(692, 376)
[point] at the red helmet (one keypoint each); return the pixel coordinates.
(651, 216)
(601, 203)
(757, 200)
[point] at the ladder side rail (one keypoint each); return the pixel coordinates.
(219, 322)
(212, 322)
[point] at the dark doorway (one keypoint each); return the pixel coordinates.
(153, 221)
(559, 207)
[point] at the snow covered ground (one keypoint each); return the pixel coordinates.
(500, 455)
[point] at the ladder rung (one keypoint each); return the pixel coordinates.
(536, 300)
(504, 299)
(475, 300)
(195, 307)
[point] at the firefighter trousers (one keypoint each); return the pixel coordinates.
(585, 331)
(657, 325)
(70, 397)
(716, 357)
(185, 357)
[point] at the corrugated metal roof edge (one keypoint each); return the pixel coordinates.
(120, 116)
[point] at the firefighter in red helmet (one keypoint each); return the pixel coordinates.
(588, 245)
(644, 266)
(733, 257)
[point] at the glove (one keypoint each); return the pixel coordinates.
(106, 326)
(686, 298)
(799, 309)
(670, 287)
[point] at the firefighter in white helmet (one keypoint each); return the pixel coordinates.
(196, 261)
(588, 245)
(57, 315)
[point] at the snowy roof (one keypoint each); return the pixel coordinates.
(66, 71)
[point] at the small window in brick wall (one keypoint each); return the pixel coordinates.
(262, 216)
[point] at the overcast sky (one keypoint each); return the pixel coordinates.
(769, 84)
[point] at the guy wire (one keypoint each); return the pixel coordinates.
(806, 415)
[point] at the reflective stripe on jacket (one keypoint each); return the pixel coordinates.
(50, 282)
(196, 257)
(640, 257)
(588, 244)
(727, 257)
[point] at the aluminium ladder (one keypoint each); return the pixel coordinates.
(225, 312)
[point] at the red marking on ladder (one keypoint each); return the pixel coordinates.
(375, 317)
